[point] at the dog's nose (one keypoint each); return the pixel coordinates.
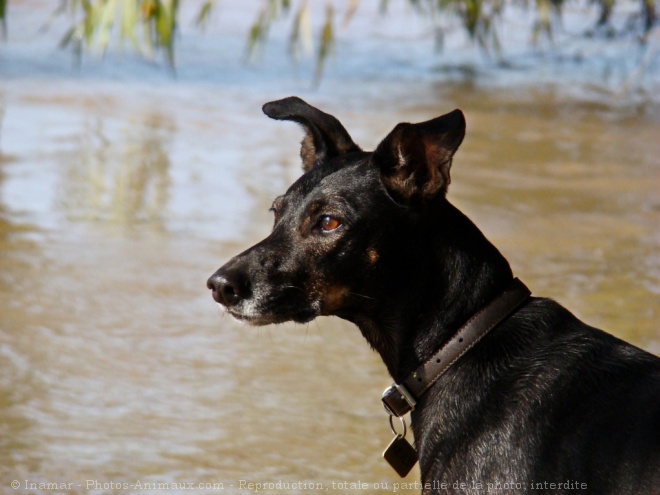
(227, 287)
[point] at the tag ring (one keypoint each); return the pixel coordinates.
(405, 428)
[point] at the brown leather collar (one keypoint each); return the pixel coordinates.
(400, 398)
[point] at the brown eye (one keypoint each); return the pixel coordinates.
(329, 223)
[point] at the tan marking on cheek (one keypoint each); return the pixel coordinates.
(333, 298)
(372, 256)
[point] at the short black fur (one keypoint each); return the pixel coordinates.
(543, 404)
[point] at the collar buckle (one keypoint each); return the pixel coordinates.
(398, 400)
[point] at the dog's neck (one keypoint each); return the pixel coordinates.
(462, 277)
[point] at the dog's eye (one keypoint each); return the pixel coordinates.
(328, 223)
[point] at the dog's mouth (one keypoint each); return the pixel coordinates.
(252, 318)
(259, 304)
(260, 318)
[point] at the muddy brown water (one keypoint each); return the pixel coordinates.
(118, 199)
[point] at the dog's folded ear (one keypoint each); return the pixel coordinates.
(325, 136)
(414, 159)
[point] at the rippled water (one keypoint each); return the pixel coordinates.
(122, 189)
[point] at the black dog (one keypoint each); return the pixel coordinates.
(521, 398)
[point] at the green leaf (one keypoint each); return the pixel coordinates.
(259, 29)
(3, 17)
(129, 20)
(108, 12)
(350, 11)
(202, 18)
(68, 37)
(383, 6)
(254, 36)
(326, 43)
(300, 38)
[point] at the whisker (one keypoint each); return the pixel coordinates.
(361, 295)
(293, 287)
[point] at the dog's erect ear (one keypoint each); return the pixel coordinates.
(414, 159)
(325, 137)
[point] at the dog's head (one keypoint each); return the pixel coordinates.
(344, 232)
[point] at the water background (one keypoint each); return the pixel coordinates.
(122, 188)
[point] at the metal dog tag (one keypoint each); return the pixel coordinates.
(400, 455)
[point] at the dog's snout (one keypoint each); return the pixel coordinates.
(228, 287)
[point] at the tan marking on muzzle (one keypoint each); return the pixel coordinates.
(333, 298)
(372, 256)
